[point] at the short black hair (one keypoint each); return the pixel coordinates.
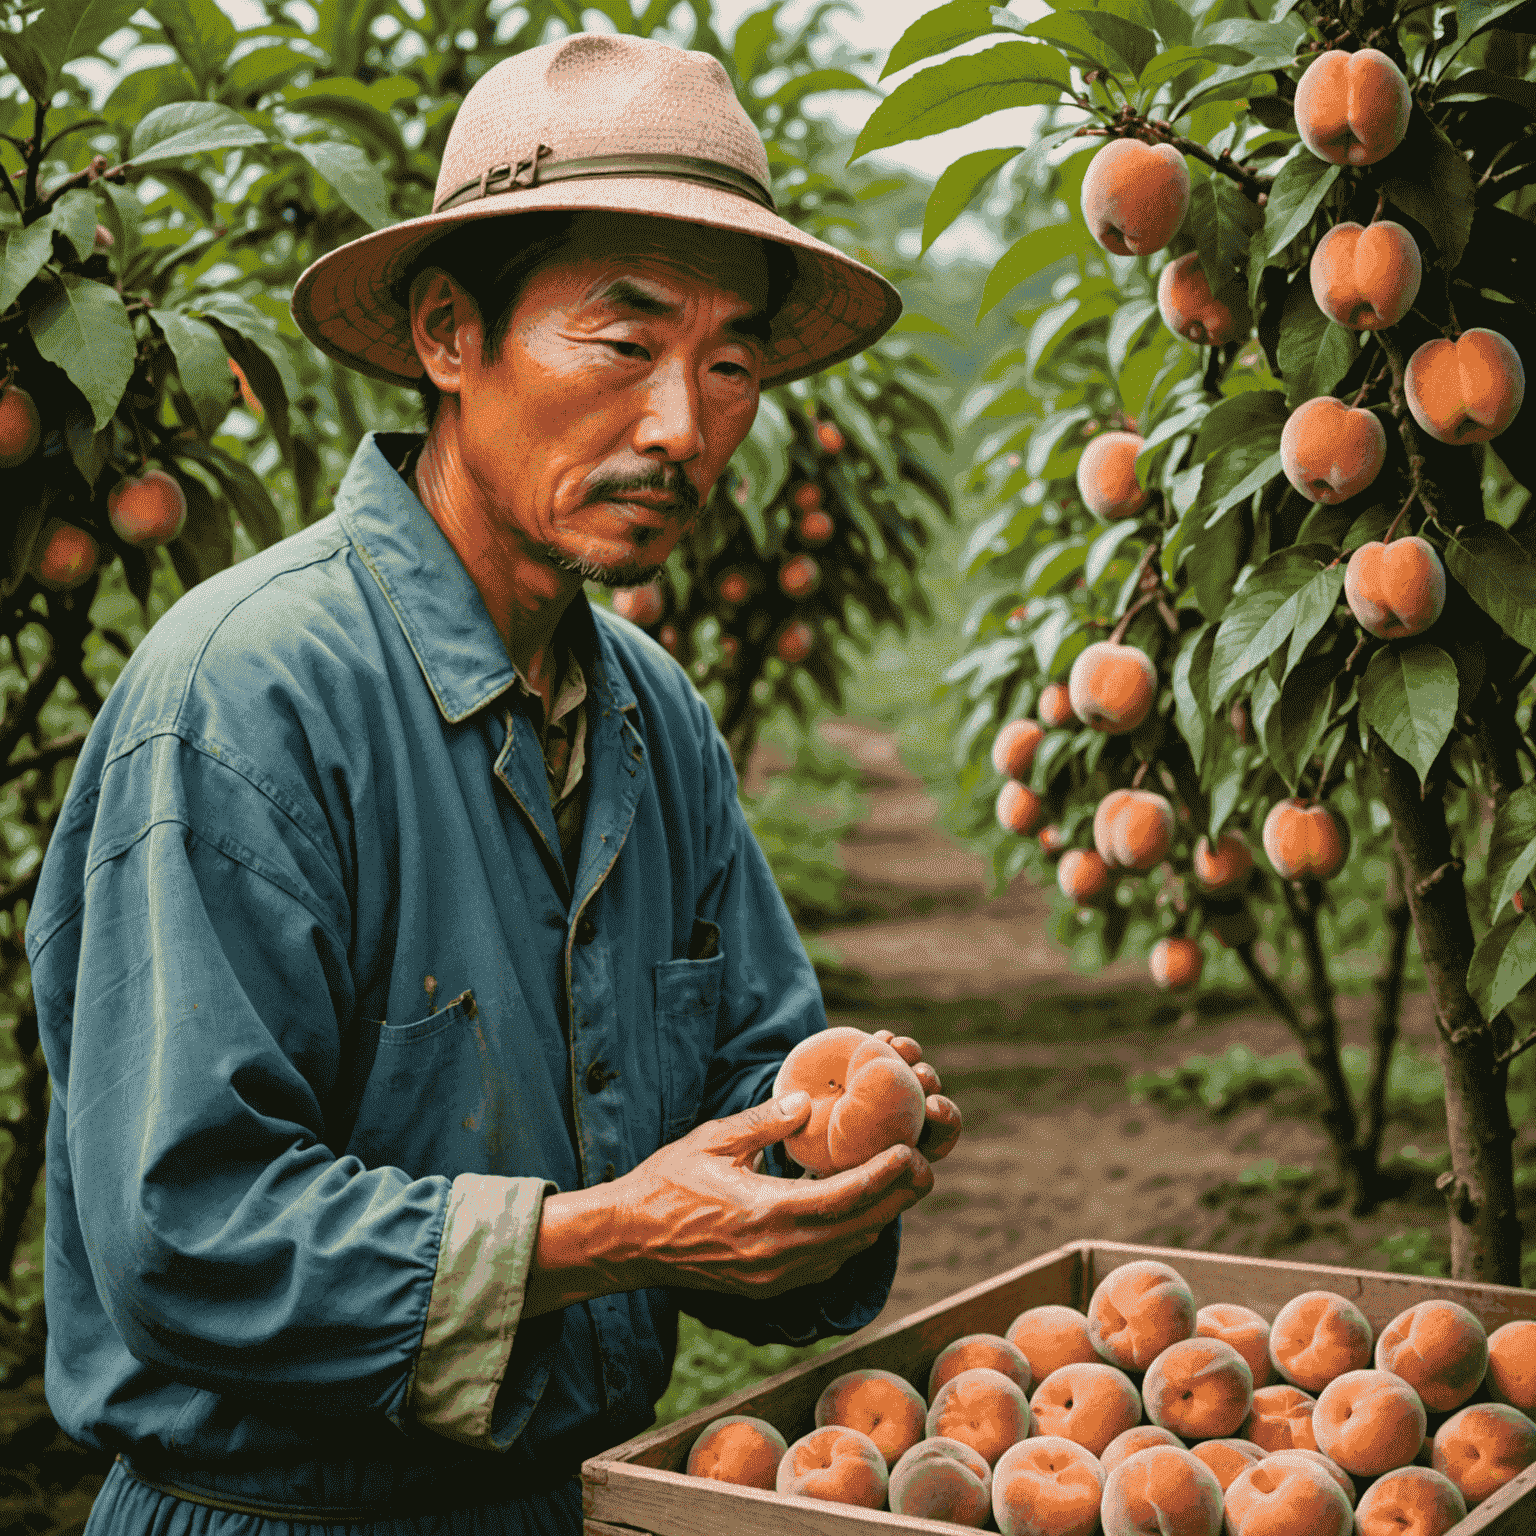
(477, 261)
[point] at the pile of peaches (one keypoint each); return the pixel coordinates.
(1150, 1415)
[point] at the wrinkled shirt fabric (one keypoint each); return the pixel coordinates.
(326, 1018)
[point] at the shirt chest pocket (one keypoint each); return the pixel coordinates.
(687, 1007)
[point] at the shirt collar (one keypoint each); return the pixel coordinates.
(434, 598)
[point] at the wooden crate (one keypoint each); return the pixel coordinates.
(641, 1486)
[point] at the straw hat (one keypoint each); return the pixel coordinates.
(596, 122)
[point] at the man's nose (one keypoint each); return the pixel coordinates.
(671, 426)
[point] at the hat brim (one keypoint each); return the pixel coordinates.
(345, 305)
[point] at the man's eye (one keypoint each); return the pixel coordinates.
(627, 348)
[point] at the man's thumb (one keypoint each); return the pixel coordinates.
(792, 1106)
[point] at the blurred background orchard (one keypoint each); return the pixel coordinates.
(852, 609)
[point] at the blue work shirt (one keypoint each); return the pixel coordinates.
(325, 1020)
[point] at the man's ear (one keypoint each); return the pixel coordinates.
(445, 321)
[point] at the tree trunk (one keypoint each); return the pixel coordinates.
(1480, 1189)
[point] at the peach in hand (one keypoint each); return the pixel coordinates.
(1281, 1419)
(1352, 108)
(1163, 1490)
(1133, 829)
(738, 1449)
(1482, 1447)
(983, 1409)
(941, 1479)
(1411, 1501)
(837, 1464)
(1106, 476)
(1512, 1365)
(1135, 196)
(1089, 1404)
(974, 1349)
(1283, 1499)
(1439, 1348)
(1047, 1486)
(1331, 451)
(1138, 1310)
(1200, 1388)
(1467, 390)
(1369, 1422)
(1366, 278)
(1395, 590)
(880, 1404)
(1051, 1336)
(1112, 687)
(1189, 308)
(1304, 842)
(864, 1098)
(1243, 1329)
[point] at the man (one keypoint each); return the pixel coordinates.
(411, 985)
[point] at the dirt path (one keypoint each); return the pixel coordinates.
(1038, 1057)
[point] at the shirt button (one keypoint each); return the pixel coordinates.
(597, 1075)
(586, 929)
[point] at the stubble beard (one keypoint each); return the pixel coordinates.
(633, 572)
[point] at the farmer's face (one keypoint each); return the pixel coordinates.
(627, 379)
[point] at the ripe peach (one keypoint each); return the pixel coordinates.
(1226, 1458)
(1162, 1490)
(65, 556)
(1140, 1438)
(1133, 829)
(1019, 809)
(864, 1098)
(806, 496)
(1352, 108)
(1331, 451)
(1318, 1336)
(1243, 1329)
(1052, 843)
(837, 1464)
(1050, 1337)
(21, 428)
(1284, 1499)
(734, 587)
(1439, 1348)
(1137, 1311)
(1047, 1486)
(974, 1349)
(1369, 1422)
(830, 436)
(1176, 963)
(1512, 1365)
(1222, 868)
(1410, 1501)
(738, 1449)
(1304, 842)
(1106, 476)
(942, 1479)
(1397, 589)
(1200, 1388)
(1189, 308)
(640, 605)
(1083, 876)
(983, 1409)
(815, 528)
(796, 641)
(799, 576)
(1281, 1419)
(1013, 749)
(1332, 1468)
(1467, 390)
(881, 1404)
(669, 638)
(1090, 1404)
(1135, 196)
(147, 510)
(1055, 707)
(1366, 278)
(1112, 687)
(1482, 1447)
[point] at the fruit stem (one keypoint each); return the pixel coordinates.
(1349, 665)
(1455, 326)
(1381, 207)
(1402, 512)
(1372, 379)
(1139, 777)
(1504, 1058)
(1250, 181)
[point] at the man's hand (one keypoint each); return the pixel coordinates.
(695, 1214)
(941, 1128)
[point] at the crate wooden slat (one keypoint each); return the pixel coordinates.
(641, 1486)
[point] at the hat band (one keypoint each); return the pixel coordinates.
(535, 172)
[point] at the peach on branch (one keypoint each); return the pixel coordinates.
(796, 641)
(815, 528)
(1106, 476)
(1083, 876)
(1395, 589)
(1189, 308)
(1331, 451)
(1133, 829)
(1013, 748)
(799, 576)
(1112, 687)
(642, 605)
(21, 428)
(831, 438)
(147, 510)
(1052, 843)
(734, 587)
(864, 1098)
(1224, 867)
(806, 496)
(1366, 278)
(1467, 390)
(1135, 196)
(1176, 964)
(1019, 808)
(1304, 842)
(65, 556)
(1352, 108)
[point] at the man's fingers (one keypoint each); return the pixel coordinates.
(941, 1129)
(743, 1134)
(844, 1194)
(928, 1078)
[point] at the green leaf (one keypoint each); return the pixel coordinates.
(1408, 696)
(1224, 223)
(74, 217)
(1053, 565)
(360, 111)
(26, 251)
(244, 489)
(200, 32)
(913, 323)
(1230, 77)
(1427, 177)
(72, 29)
(206, 545)
(959, 186)
(960, 91)
(1512, 850)
(1029, 254)
(1474, 16)
(27, 64)
(1172, 62)
(245, 320)
(1261, 411)
(937, 31)
(1067, 30)
(182, 128)
(1191, 677)
(1262, 618)
(1221, 488)
(1105, 547)
(254, 74)
(354, 177)
(1296, 725)
(1478, 84)
(754, 37)
(1500, 577)
(202, 364)
(1502, 965)
(1048, 435)
(1300, 187)
(763, 461)
(1315, 604)
(1135, 44)
(1312, 359)
(798, 87)
(83, 328)
(1174, 24)
(1130, 322)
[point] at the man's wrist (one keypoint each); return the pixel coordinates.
(583, 1249)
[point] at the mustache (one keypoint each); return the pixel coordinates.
(658, 482)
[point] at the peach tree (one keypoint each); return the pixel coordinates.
(1256, 616)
